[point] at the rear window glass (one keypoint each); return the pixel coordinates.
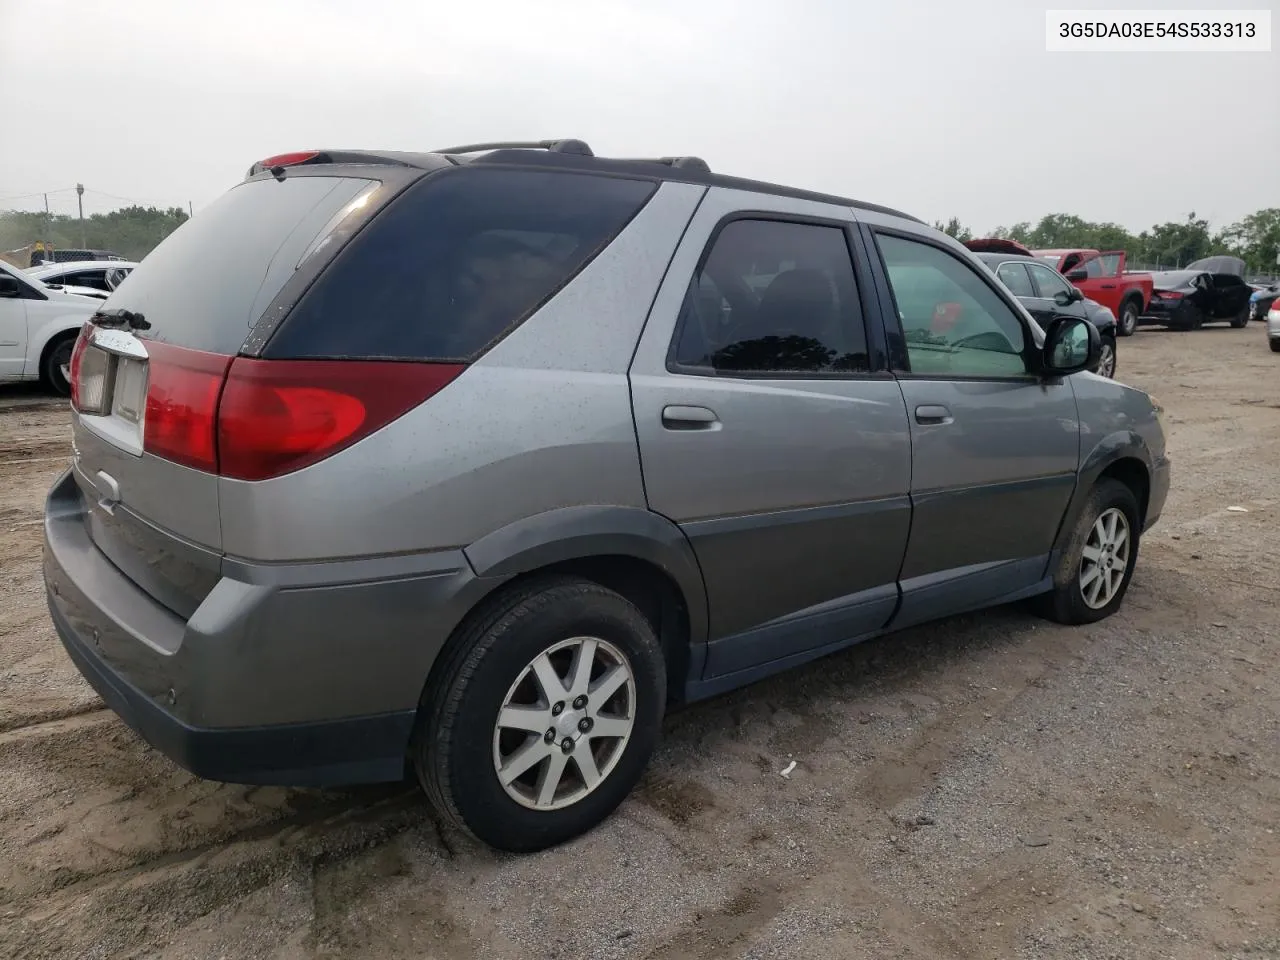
(208, 282)
(457, 262)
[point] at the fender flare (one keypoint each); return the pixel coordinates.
(582, 532)
(1117, 446)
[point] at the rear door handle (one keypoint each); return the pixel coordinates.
(932, 413)
(689, 418)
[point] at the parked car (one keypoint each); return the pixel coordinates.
(95, 278)
(1187, 299)
(1219, 264)
(1262, 299)
(40, 258)
(1273, 328)
(38, 328)
(1047, 295)
(474, 461)
(1102, 276)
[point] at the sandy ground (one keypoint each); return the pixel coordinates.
(989, 786)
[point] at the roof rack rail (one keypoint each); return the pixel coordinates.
(679, 163)
(578, 147)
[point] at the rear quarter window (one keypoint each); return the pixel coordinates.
(456, 263)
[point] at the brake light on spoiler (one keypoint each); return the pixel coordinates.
(249, 419)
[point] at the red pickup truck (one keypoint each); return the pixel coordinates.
(1100, 276)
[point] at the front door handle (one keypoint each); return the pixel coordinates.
(689, 418)
(1108, 286)
(932, 414)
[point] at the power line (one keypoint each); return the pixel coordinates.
(38, 193)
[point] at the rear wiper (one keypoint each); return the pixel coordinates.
(120, 317)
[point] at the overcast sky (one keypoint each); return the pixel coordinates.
(940, 109)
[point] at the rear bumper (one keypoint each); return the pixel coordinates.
(1158, 493)
(302, 674)
(1181, 313)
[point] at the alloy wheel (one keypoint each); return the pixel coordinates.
(1105, 558)
(564, 723)
(1107, 361)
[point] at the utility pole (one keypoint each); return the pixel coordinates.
(80, 201)
(191, 211)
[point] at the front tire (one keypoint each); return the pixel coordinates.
(1097, 564)
(1127, 322)
(1275, 346)
(544, 716)
(1107, 359)
(1241, 319)
(55, 367)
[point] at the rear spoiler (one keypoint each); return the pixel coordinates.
(997, 245)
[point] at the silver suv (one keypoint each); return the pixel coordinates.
(473, 462)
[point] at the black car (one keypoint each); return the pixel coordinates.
(1047, 294)
(1186, 299)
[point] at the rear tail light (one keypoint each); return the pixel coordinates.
(255, 419)
(182, 404)
(88, 380)
(277, 416)
(1167, 295)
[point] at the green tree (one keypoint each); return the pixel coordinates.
(1255, 240)
(954, 228)
(130, 231)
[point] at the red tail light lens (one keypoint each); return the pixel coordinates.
(277, 416)
(1168, 295)
(182, 404)
(77, 355)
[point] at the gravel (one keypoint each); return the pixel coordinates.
(988, 786)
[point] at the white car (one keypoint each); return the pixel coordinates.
(38, 328)
(90, 278)
(1273, 327)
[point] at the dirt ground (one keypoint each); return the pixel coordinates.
(990, 786)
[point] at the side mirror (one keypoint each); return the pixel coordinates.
(1078, 274)
(1070, 345)
(9, 287)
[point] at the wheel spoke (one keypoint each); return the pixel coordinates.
(1095, 589)
(1112, 520)
(1090, 575)
(604, 688)
(531, 719)
(1100, 531)
(1092, 554)
(610, 727)
(553, 688)
(1122, 536)
(586, 762)
(529, 755)
(583, 660)
(549, 778)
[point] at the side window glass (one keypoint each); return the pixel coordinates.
(1049, 282)
(773, 297)
(1110, 264)
(954, 323)
(1014, 276)
(1094, 267)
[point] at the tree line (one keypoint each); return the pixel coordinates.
(1255, 239)
(132, 232)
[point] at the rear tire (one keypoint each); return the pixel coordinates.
(1275, 346)
(500, 672)
(1127, 322)
(1078, 596)
(56, 363)
(1241, 319)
